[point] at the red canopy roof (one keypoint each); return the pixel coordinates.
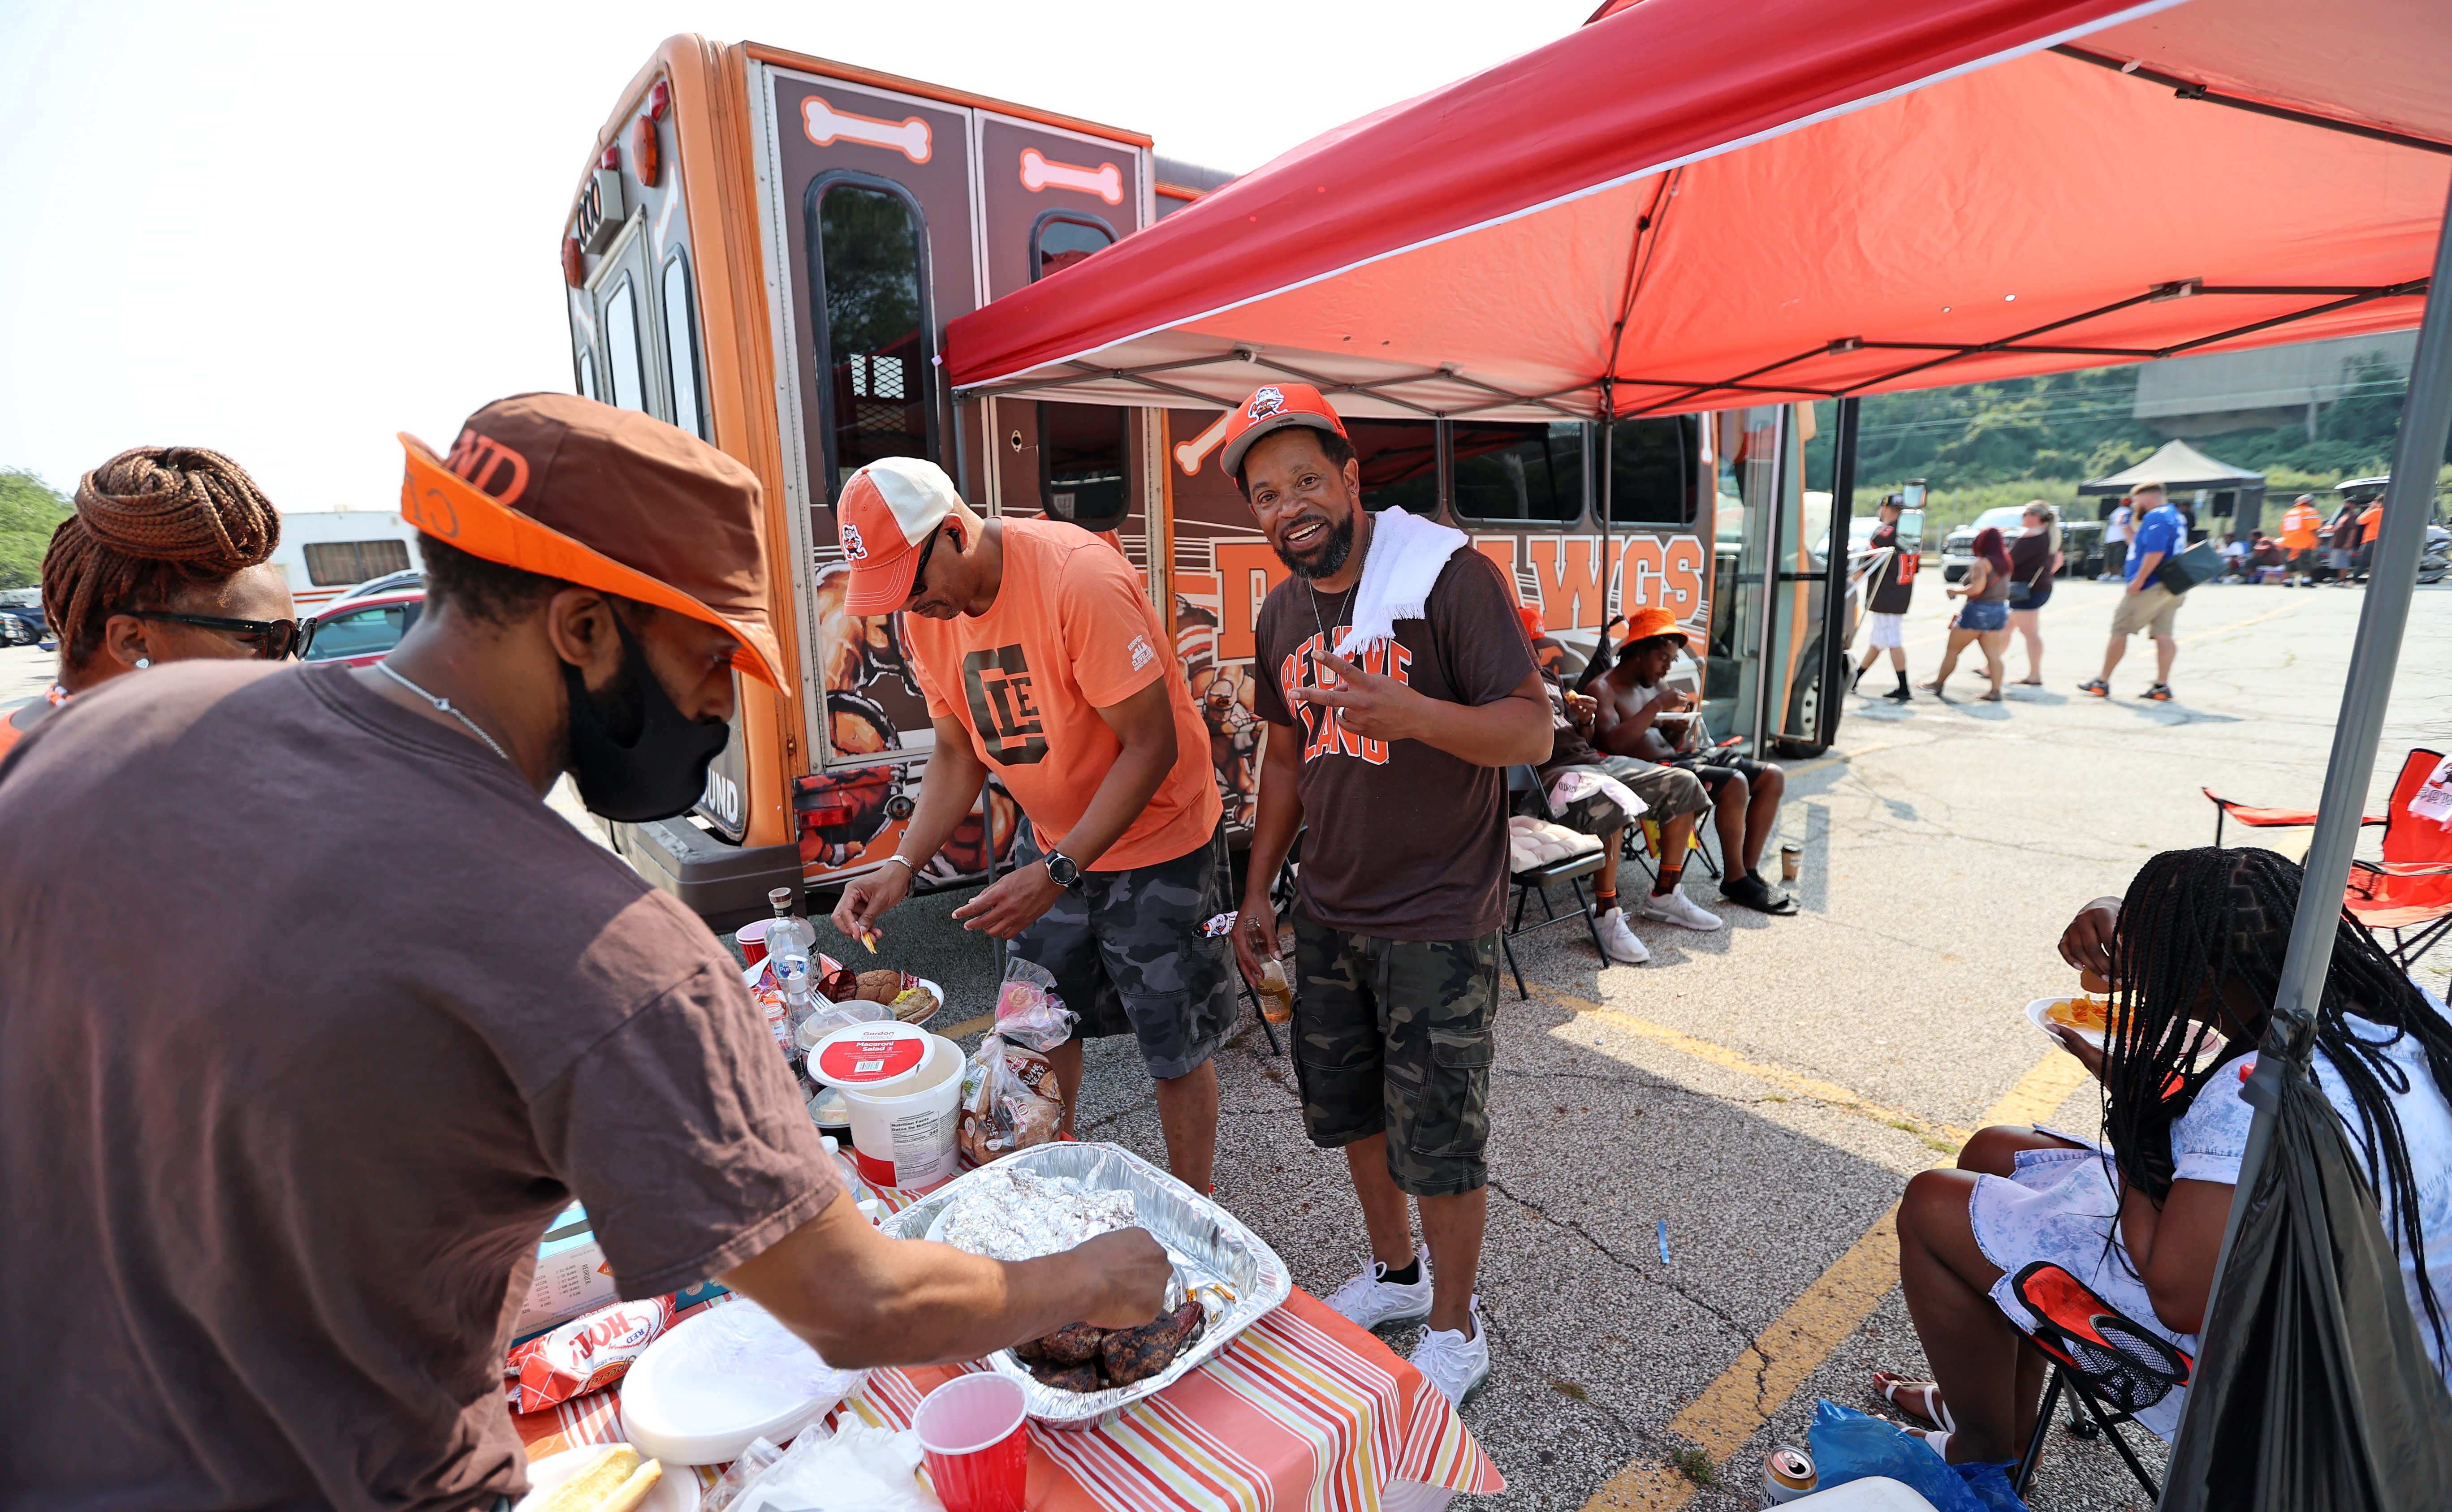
(1787, 199)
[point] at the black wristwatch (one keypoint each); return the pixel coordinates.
(1064, 871)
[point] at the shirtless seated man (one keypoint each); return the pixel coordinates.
(1641, 716)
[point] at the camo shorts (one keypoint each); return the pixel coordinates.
(1394, 1036)
(1128, 955)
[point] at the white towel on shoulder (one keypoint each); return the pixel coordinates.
(1400, 562)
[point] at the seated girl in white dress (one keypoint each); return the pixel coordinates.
(2107, 1253)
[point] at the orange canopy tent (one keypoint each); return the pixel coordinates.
(1689, 205)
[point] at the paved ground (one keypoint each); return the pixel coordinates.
(1768, 1089)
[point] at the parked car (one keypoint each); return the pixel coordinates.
(360, 628)
(1958, 547)
(2435, 556)
(21, 616)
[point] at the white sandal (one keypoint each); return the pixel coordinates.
(1932, 1390)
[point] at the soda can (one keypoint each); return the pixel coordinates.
(1788, 1475)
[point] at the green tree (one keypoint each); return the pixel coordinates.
(29, 511)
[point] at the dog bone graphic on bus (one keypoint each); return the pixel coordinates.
(826, 125)
(1105, 181)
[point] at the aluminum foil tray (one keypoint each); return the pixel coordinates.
(1210, 1247)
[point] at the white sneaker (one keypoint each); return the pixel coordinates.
(1455, 1363)
(1675, 906)
(1367, 1302)
(1618, 941)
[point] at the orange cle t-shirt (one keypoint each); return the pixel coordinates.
(1071, 631)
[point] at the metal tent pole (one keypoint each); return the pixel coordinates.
(1608, 471)
(2426, 424)
(1834, 590)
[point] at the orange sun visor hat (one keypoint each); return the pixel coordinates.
(1273, 407)
(608, 498)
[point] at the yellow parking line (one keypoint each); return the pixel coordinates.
(1733, 1409)
(2289, 608)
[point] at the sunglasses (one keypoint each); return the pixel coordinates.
(275, 640)
(920, 573)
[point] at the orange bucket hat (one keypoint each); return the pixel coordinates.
(609, 498)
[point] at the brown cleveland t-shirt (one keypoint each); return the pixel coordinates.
(1406, 842)
(311, 1018)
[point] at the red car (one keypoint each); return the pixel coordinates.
(361, 628)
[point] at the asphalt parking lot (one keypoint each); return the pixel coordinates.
(1766, 1090)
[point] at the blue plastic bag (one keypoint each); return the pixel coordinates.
(1849, 1446)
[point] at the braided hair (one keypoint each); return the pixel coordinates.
(151, 521)
(2201, 937)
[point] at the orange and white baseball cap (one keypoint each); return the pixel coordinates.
(888, 512)
(1274, 406)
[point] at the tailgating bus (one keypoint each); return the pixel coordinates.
(764, 250)
(326, 553)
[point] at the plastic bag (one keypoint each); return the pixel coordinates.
(745, 1468)
(1849, 1446)
(1028, 1012)
(1573, 784)
(856, 1469)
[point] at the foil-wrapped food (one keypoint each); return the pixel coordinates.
(1012, 1214)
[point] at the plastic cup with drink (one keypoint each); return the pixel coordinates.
(974, 1433)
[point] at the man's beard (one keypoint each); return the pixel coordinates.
(1330, 557)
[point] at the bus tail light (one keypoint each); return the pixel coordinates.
(574, 261)
(644, 159)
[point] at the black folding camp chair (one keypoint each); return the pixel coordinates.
(1537, 880)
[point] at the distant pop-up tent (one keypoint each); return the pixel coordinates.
(1693, 204)
(2236, 494)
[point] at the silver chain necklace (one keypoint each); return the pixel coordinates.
(444, 706)
(1342, 604)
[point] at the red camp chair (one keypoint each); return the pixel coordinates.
(2265, 818)
(2411, 892)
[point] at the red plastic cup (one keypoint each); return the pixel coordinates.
(752, 940)
(975, 1432)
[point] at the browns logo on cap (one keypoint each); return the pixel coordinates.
(1269, 409)
(608, 498)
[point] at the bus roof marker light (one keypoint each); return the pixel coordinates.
(574, 261)
(660, 100)
(612, 156)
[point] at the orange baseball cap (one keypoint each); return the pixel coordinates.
(1533, 628)
(609, 498)
(888, 512)
(1272, 408)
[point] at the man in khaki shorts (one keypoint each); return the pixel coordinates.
(2161, 532)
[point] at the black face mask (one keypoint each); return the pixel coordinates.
(633, 754)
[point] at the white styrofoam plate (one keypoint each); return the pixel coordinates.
(676, 1489)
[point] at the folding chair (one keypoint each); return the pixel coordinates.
(2238, 812)
(2098, 1418)
(2409, 892)
(1537, 879)
(1643, 844)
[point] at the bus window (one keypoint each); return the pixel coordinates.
(587, 375)
(680, 346)
(1514, 473)
(1062, 238)
(1083, 455)
(621, 334)
(1400, 464)
(871, 253)
(1651, 470)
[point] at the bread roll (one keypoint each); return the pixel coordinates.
(597, 1481)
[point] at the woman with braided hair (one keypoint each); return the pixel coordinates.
(163, 560)
(2104, 1255)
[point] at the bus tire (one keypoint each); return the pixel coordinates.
(1804, 709)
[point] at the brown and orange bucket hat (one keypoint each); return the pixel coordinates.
(609, 498)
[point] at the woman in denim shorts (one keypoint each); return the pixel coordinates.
(1984, 619)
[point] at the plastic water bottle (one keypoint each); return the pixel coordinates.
(791, 948)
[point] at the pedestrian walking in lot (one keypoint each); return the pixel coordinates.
(1984, 619)
(1400, 685)
(2034, 563)
(380, 1014)
(1887, 599)
(2117, 532)
(2341, 543)
(1042, 660)
(2299, 524)
(163, 560)
(2146, 604)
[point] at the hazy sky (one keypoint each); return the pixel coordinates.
(287, 231)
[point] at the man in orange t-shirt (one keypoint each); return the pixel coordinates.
(2370, 521)
(1044, 662)
(2300, 524)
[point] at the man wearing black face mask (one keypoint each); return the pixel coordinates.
(279, 1164)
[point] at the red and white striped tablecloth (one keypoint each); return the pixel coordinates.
(1301, 1410)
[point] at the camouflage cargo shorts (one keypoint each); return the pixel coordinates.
(1396, 1036)
(1128, 955)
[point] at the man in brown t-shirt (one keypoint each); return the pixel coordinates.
(1395, 758)
(312, 1016)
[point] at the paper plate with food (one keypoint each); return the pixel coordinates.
(2089, 1016)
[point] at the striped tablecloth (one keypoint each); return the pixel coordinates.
(1302, 1410)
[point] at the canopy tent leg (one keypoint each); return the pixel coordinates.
(1834, 590)
(2289, 1041)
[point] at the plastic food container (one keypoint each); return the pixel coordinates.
(903, 1088)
